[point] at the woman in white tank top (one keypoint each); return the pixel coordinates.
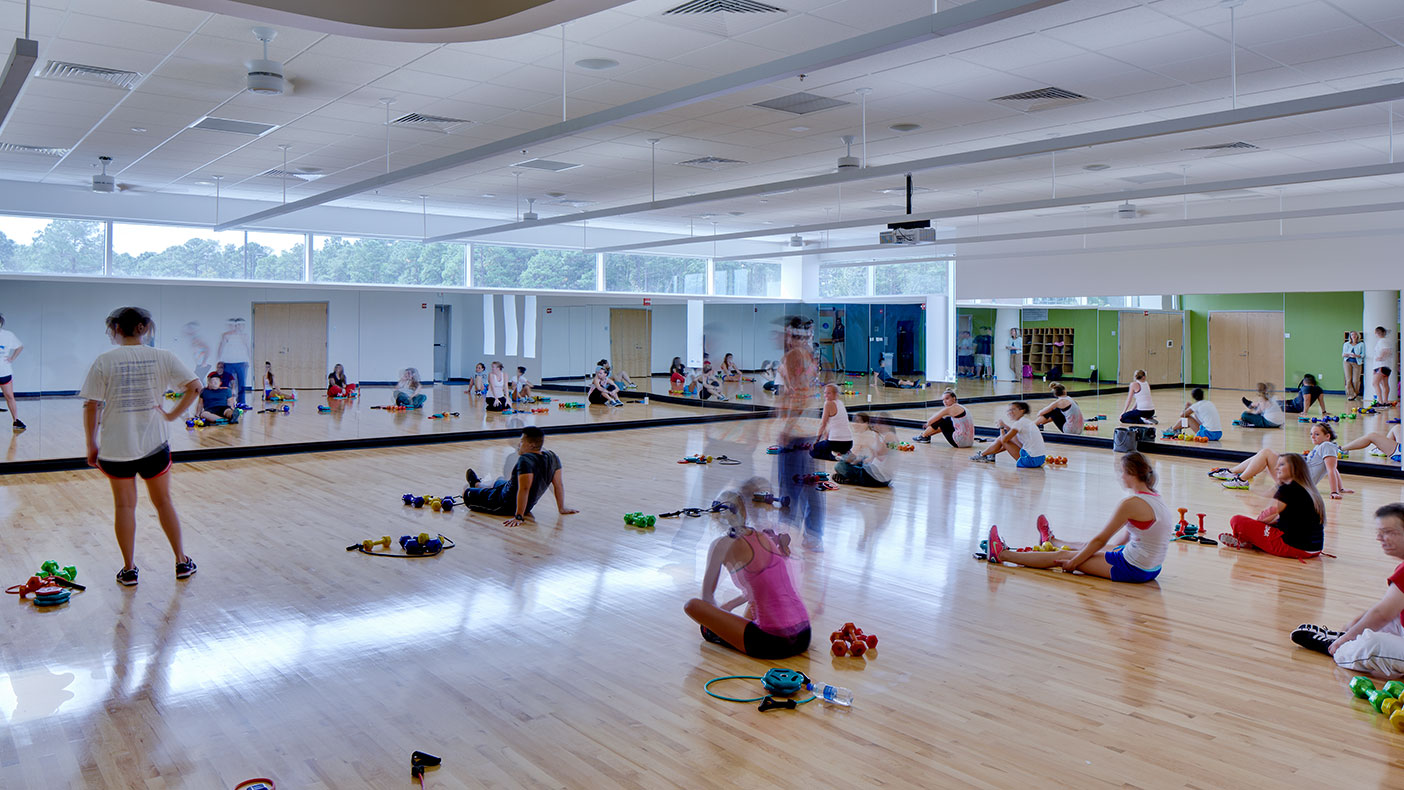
(1139, 408)
(835, 435)
(1138, 534)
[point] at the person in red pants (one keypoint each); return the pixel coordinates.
(337, 386)
(1293, 525)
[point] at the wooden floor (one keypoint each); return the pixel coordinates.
(1292, 437)
(556, 654)
(56, 424)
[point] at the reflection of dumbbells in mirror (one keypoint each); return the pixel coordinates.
(743, 396)
(443, 415)
(767, 498)
(1384, 700)
(697, 459)
(540, 411)
(817, 477)
(417, 546)
(639, 520)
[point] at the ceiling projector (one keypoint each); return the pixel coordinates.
(102, 182)
(266, 76)
(1126, 210)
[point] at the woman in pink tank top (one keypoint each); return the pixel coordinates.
(758, 561)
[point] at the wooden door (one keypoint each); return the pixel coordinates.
(1245, 347)
(1131, 331)
(1168, 339)
(293, 336)
(631, 341)
(1266, 356)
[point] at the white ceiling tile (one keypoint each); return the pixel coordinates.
(653, 39)
(1019, 52)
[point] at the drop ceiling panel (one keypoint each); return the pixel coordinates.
(653, 39)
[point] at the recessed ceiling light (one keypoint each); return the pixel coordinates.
(487, 195)
(1096, 167)
(905, 127)
(596, 64)
(555, 194)
(799, 128)
(139, 129)
(205, 183)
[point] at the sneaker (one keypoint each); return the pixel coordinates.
(995, 545)
(127, 578)
(234, 417)
(1228, 539)
(184, 570)
(711, 636)
(19, 426)
(984, 459)
(1236, 484)
(1222, 473)
(813, 544)
(1168, 434)
(472, 478)
(920, 439)
(1045, 533)
(1150, 421)
(1314, 637)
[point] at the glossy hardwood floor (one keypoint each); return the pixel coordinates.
(556, 654)
(56, 424)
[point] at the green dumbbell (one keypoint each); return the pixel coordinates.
(49, 568)
(1361, 686)
(646, 522)
(1377, 698)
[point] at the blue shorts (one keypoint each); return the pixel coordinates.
(1027, 461)
(1213, 436)
(1123, 571)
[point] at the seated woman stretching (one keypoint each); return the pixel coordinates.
(1139, 408)
(866, 463)
(621, 378)
(338, 386)
(602, 391)
(1386, 444)
(1200, 417)
(520, 385)
(952, 422)
(707, 385)
(214, 401)
(777, 624)
(1308, 393)
(1320, 460)
(408, 392)
(1021, 439)
(1062, 412)
(888, 380)
(835, 437)
(477, 386)
(498, 399)
(1293, 525)
(1138, 534)
(728, 369)
(770, 371)
(270, 387)
(677, 374)
(1264, 411)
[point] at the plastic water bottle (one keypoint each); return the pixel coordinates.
(834, 695)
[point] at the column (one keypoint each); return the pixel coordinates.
(1381, 309)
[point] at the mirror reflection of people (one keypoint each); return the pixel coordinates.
(10, 348)
(865, 463)
(1015, 347)
(1309, 393)
(602, 391)
(835, 435)
(888, 380)
(235, 353)
(728, 370)
(1264, 411)
(477, 386)
(984, 354)
(619, 377)
(840, 352)
(497, 395)
(1200, 417)
(1382, 358)
(1352, 361)
(708, 384)
(338, 386)
(952, 421)
(1062, 412)
(408, 392)
(677, 374)
(520, 385)
(1139, 409)
(270, 386)
(1386, 444)
(214, 401)
(965, 355)
(125, 426)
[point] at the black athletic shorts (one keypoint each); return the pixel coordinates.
(153, 465)
(5, 379)
(1385, 371)
(596, 397)
(765, 645)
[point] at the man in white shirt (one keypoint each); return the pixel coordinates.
(10, 347)
(236, 355)
(1201, 417)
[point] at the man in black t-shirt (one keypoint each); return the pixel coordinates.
(516, 494)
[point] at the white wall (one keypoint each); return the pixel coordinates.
(669, 335)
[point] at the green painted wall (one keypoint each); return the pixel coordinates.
(1084, 326)
(1314, 321)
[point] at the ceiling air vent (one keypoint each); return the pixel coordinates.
(433, 123)
(1221, 149)
(91, 75)
(724, 7)
(212, 124)
(15, 148)
(546, 164)
(801, 103)
(301, 175)
(712, 162)
(1041, 99)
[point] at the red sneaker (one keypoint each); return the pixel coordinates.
(994, 546)
(1045, 534)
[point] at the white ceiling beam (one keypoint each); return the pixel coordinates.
(1192, 123)
(1121, 227)
(965, 17)
(1307, 177)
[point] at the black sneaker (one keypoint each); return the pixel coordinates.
(710, 636)
(1314, 637)
(921, 439)
(233, 416)
(127, 578)
(184, 570)
(19, 426)
(472, 477)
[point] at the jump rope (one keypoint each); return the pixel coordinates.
(778, 681)
(361, 547)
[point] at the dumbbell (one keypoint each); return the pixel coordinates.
(435, 504)
(369, 545)
(770, 499)
(448, 503)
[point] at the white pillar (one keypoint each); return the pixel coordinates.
(1381, 309)
(940, 340)
(1006, 318)
(694, 333)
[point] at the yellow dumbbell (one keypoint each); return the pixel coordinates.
(369, 545)
(436, 504)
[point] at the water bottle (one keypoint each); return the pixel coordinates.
(834, 695)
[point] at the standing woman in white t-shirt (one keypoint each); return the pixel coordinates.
(1352, 362)
(125, 425)
(1381, 360)
(1015, 347)
(10, 347)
